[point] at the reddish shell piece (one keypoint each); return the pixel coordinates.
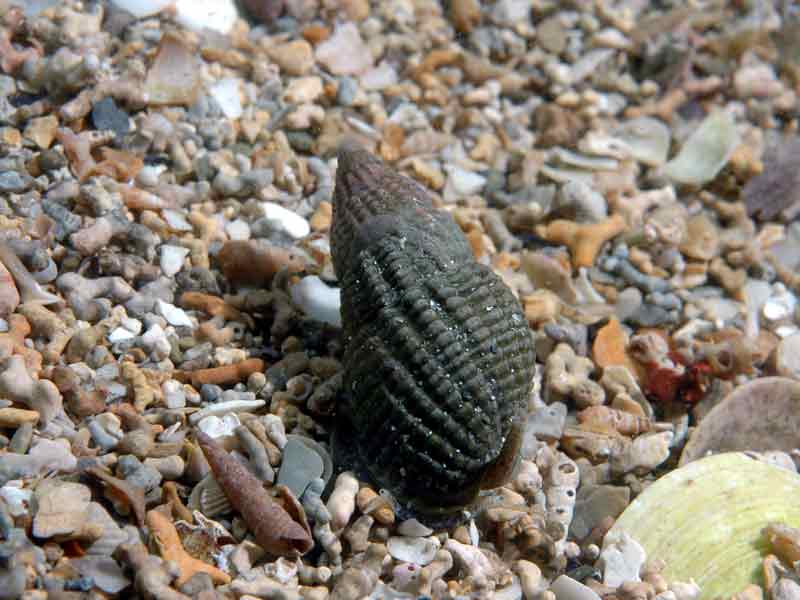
(273, 526)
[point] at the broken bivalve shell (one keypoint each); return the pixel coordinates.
(705, 520)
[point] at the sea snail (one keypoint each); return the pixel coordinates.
(438, 356)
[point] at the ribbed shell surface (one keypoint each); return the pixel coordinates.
(438, 356)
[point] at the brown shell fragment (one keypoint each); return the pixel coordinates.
(784, 541)
(760, 415)
(278, 530)
(248, 262)
(123, 490)
(224, 375)
(439, 358)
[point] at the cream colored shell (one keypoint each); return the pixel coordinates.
(705, 520)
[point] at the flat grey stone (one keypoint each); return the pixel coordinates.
(14, 182)
(299, 466)
(547, 422)
(104, 571)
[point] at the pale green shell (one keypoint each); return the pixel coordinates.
(705, 520)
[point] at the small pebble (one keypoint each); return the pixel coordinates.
(285, 220)
(300, 465)
(14, 182)
(171, 259)
(344, 53)
(226, 94)
(174, 315)
(566, 588)
(106, 115)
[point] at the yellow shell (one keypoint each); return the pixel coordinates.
(705, 520)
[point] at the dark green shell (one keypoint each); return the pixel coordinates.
(438, 357)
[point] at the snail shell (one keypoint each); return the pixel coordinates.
(438, 359)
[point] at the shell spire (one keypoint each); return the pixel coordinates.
(366, 188)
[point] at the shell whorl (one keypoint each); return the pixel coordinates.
(438, 356)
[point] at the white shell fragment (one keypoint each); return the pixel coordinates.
(415, 550)
(318, 300)
(285, 220)
(622, 560)
(143, 8)
(226, 94)
(345, 53)
(787, 356)
(175, 316)
(413, 528)
(706, 151)
(171, 259)
(583, 161)
(461, 182)
(646, 139)
(217, 15)
(222, 408)
(566, 175)
(176, 220)
(217, 427)
(780, 305)
(566, 588)
(120, 334)
(17, 499)
(379, 77)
